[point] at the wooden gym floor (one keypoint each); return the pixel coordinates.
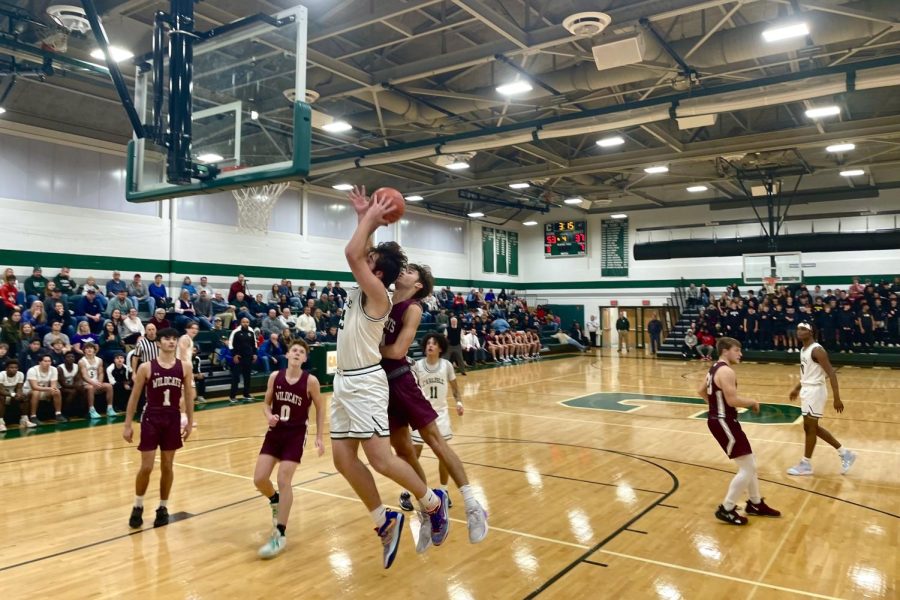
(584, 503)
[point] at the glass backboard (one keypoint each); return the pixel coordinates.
(246, 117)
(786, 266)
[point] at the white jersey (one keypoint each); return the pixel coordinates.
(811, 372)
(11, 383)
(435, 382)
(93, 368)
(360, 335)
(43, 379)
(68, 376)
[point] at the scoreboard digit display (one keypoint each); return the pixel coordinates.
(565, 238)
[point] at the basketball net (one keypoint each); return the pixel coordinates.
(255, 206)
(770, 283)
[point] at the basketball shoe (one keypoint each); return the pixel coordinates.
(93, 414)
(24, 422)
(761, 510)
(2, 424)
(804, 467)
(406, 501)
(137, 517)
(440, 520)
(60, 418)
(390, 534)
(110, 411)
(424, 532)
(274, 546)
(476, 519)
(162, 517)
(847, 460)
(730, 516)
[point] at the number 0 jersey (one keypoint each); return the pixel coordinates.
(164, 387)
(291, 401)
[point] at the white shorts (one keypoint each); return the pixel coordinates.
(813, 399)
(359, 404)
(443, 424)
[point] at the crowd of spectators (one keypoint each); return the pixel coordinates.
(859, 318)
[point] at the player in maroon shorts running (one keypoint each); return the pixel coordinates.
(164, 378)
(408, 408)
(289, 394)
(720, 391)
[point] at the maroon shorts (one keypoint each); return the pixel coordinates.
(730, 436)
(284, 443)
(160, 430)
(407, 406)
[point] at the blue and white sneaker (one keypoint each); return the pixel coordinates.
(424, 539)
(847, 460)
(476, 519)
(440, 520)
(390, 534)
(274, 546)
(93, 414)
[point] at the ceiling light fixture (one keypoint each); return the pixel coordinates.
(337, 127)
(519, 186)
(118, 54)
(785, 32)
(618, 216)
(694, 189)
(840, 147)
(529, 223)
(611, 141)
(573, 200)
(476, 214)
(852, 173)
(342, 187)
(2, 110)
(210, 157)
(414, 198)
(254, 115)
(656, 169)
(514, 88)
(459, 165)
(823, 111)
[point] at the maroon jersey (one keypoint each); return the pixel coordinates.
(164, 387)
(715, 397)
(392, 328)
(290, 402)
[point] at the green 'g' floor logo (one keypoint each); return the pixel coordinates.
(769, 414)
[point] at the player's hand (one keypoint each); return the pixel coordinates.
(755, 407)
(320, 445)
(794, 394)
(378, 209)
(459, 408)
(186, 432)
(128, 434)
(358, 198)
(236, 358)
(838, 405)
(273, 420)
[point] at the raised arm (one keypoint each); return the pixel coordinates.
(357, 254)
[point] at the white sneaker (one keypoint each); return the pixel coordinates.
(847, 461)
(274, 546)
(424, 539)
(93, 414)
(476, 518)
(801, 468)
(24, 422)
(2, 425)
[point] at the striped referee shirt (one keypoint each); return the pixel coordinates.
(146, 350)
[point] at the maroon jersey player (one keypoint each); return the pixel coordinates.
(289, 394)
(169, 383)
(720, 391)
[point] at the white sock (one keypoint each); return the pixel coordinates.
(805, 460)
(444, 488)
(468, 495)
(728, 505)
(430, 501)
(379, 516)
(163, 503)
(58, 413)
(139, 501)
(841, 451)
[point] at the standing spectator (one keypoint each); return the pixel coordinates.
(120, 302)
(114, 285)
(622, 327)
(138, 293)
(654, 328)
(35, 286)
(592, 327)
(239, 286)
(242, 345)
(157, 291)
(454, 345)
(751, 328)
(199, 376)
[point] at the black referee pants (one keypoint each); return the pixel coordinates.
(243, 369)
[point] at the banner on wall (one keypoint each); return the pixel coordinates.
(513, 239)
(487, 249)
(499, 251)
(502, 251)
(614, 254)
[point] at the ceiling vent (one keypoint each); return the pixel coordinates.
(71, 18)
(310, 97)
(587, 24)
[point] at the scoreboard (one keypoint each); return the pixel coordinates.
(565, 238)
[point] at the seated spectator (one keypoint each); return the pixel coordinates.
(321, 321)
(93, 381)
(109, 342)
(311, 338)
(88, 309)
(31, 355)
(55, 334)
(306, 322)
(340, 294)
(9, 295)
(238, 286)
(70, 381)
(42, 384)
(312, 293)
(273, 297)
(12, 382)
(286, 338)
(120, 302)
(159, 319)
(271, 324)
(35, 286)
(271, 354)
(287, 318)
(138, 292)
(187, 286)
(115, 285)
(689, 345)
(157, 291)
(241, 306)
(184, 313)
(331, 335)
(56, 352)
(473, 352)
(4, 355)
(224, 312)
(131, 328)
(91, 284)
(459, 304)
(257, 306)
(37, 317)
(60, 313)
(706, 344)
(119, 376)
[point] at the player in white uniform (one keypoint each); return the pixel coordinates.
(814, 367)
(92, 372)
(360, 400)
(435, 376)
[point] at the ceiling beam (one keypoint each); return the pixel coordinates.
(387, 9)
(494, 20)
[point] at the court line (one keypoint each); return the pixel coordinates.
(771, 586)
(667, 430)
(776, 554)
(217, 444)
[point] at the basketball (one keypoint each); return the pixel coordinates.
(394, 198)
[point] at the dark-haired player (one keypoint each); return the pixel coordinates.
(720, 391)
(289, 394)
(814, 367)
(359, 404)
(408, 408)
(164, 378)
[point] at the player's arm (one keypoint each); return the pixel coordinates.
(271, 419)
(727, 382)
(455, 389)
(190, 393)
(795, 392)
(820, 356)
(356, 253)
(313, 389)
(411, 319)
(100, 372)
(703, 390)
(140, 378)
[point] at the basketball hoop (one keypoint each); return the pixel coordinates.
(255, 206)
(770, 284)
